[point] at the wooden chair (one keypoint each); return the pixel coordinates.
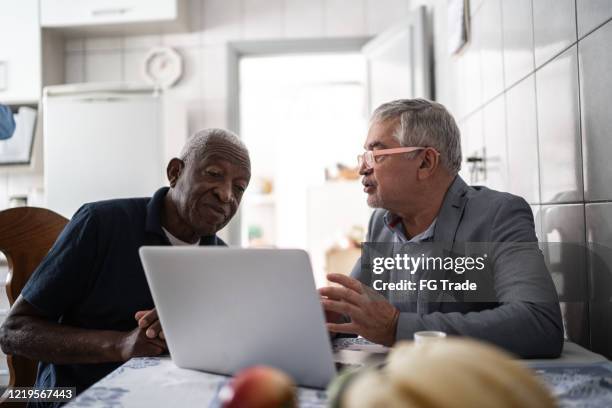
(26, 235)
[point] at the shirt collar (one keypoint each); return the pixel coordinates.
(153, 220)
(394, 223)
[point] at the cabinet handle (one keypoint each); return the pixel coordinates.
(94, 99)
(109, 11)
(478, 166)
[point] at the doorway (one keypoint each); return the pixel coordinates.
(304, 118)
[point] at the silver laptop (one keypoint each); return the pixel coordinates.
(225, 309)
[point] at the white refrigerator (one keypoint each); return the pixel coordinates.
(100, 142)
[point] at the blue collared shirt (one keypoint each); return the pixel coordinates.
(394, 223)
(92, 277)
(406, 301)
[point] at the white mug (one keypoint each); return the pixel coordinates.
(422, 337)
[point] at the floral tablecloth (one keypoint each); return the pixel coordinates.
(157, 382)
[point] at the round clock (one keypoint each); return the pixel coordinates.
(163, 67)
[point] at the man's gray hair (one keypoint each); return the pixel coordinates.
(424, 123)
(196, 144)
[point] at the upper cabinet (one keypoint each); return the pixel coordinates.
(107, 15)
(20, 53)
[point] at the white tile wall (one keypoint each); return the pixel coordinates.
(103, 66)
(491, 49)
(217, 22)
(77, 44)
(222, 20)
(189, 86)
(304, 18)
(74, 67)
(196, 20)
(141, 42)
(214, 71)
(181, 39)
(215, 114)
(103, 43)
(345, 18)
(214, 23)
(133, 61)
(378, 12)
(263, 18)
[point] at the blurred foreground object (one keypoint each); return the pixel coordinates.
(260, 387)
(450, 373)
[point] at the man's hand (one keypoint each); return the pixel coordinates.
(372, 316)
(331, 316)
(148, 321)
(28, 332)
(137, 344)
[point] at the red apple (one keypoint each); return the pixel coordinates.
(260, 387)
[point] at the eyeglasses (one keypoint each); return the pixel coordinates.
(369, 156)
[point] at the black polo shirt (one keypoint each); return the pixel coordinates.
(93, 278)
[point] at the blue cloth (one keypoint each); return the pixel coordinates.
(7, 122)
(93, 278)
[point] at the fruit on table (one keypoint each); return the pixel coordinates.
(456, 372)
(260, 387)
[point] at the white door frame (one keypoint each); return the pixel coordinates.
(239, 49)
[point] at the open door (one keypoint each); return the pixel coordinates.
(399, 62)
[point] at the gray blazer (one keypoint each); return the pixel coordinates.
(525, 318)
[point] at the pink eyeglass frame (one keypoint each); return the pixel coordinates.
(362, 158)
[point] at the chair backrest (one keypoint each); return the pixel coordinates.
(26, 235)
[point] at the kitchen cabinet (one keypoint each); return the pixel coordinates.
(96, 15)
(20, 53)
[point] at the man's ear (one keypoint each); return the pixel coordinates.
(174, 170)
(429, 164)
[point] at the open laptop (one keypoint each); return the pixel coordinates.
(225, 309)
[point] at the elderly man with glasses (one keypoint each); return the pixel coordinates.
(410, 175)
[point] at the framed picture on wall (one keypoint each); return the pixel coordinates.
(458, 25)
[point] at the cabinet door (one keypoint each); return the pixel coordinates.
(20, 53)
(398, 62)
(68, 13)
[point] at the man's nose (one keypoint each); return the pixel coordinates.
(364, 169)
(224, 193)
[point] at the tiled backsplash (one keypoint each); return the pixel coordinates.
(556, 144)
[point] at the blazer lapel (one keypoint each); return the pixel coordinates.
(451, 213)
(445, 231)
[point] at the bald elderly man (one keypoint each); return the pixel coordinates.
(76, 314)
